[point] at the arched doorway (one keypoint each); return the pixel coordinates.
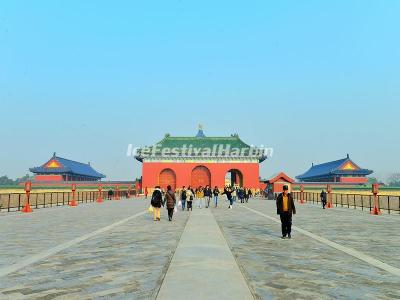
(234, 178)
(167, 177)
(201, 176)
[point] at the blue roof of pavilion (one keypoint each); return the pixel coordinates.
(68, 166)
(333, 168)
(200, 134)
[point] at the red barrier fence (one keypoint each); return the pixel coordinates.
(391, 204)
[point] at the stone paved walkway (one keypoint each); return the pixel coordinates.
(303, 268)
(115, 250)
(203, 267)
(127, 262)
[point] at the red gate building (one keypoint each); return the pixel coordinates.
(200, 161)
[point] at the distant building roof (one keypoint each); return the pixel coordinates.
(199, 142)
(59, 165)
(339, 167)
(200, 133)
(279, 176)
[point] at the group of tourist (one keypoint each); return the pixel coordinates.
(187, 195)
(159, 199)
(284, 202)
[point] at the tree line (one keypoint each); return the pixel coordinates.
(4, 180)
(394, 179)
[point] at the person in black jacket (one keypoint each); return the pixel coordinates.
(240, 195)
(157, 202)
(216, 193)
(183, 197)
(110, 194)
(285, 208)
(228, 192)
(208, 195)
(323, 199)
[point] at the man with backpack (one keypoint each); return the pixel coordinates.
(157, 202)
(183, 197)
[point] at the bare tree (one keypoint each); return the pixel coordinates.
(394, 179)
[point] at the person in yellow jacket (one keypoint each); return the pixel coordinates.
(200, 197)
(285, 208)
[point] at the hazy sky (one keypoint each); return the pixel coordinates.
(312, 79)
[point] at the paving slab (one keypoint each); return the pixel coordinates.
(304, 268)
(204, 254)
(23, 235)
(203, 266)
(127, 262)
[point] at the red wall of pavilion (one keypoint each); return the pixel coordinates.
(48, 178)
(353, 179)
(183, 171)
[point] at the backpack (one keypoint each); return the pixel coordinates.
(183, 196)
(155, 199)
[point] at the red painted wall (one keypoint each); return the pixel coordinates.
(48, 178)
(354, 179)
(183, 171)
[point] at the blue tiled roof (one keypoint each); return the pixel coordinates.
(332, 168)
(200, 134)
(69, 166)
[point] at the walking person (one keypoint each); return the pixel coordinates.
(110, 194)
(240, 194)
(285, 208)
(199, 196)
(208, 195)
(246, 195)
(156, 202)
(323, 198)
(234, 194)
(216, 193)
(170, 202)
(190, 196)
(183, 197)
(228, 193)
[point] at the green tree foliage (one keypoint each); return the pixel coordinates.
(4, 180)
(372, 180)
(24, 178)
